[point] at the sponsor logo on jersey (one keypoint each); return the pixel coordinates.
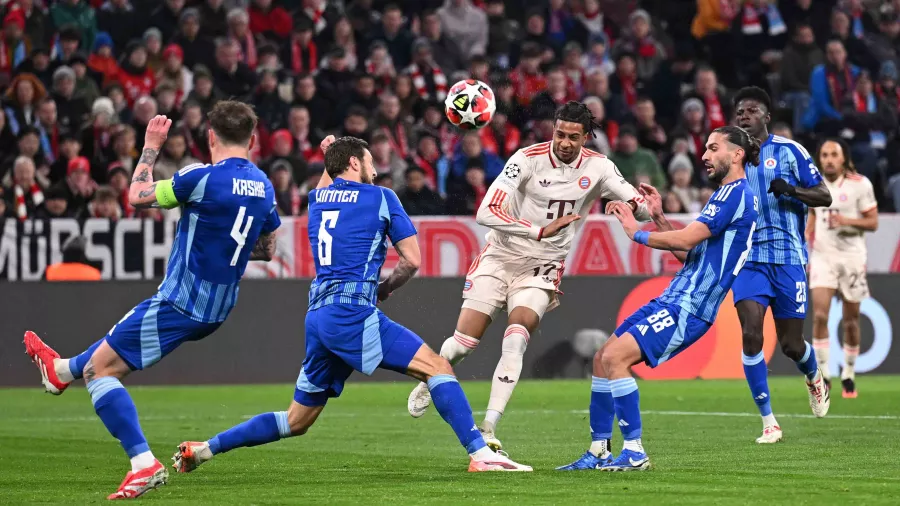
(544, 183)
(770, 163)
(711, 210)
(584, 182)
(512, 171)
(642, 329)
(468, 285)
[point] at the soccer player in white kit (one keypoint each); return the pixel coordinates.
(838, 260)
(529, 209)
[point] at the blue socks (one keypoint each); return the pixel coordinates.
(627, 403)
(808, 365)
(116, 409)
(450, 401)
(77, 363)
(756, 372)
(602, 410)
(259, 430)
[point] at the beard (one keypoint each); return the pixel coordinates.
(365, 177)
(721, 170)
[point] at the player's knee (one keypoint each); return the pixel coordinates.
(752, 340)
(440, 365)
(599, 371)
(515, 342)
(820, 318)
(793, 349)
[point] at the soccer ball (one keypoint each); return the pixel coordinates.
(470, 104)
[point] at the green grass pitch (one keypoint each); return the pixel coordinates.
(365, 449)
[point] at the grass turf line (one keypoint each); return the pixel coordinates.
(365, 449)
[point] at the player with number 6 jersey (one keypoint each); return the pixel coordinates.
(532, 210)
(228, 218)
(717, 245)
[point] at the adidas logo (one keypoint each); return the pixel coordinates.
(643, 329)
(623, 423)
(801, 309)
(761, 396)
(505, 379)
(544, 183)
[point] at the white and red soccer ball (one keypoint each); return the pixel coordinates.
(470, 104)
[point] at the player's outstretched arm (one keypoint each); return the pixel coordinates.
(615, 187)
(673, 240)
(143, 190)
(264, 249)
(410, 259)
(655, 208)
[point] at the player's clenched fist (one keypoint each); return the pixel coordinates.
(326, 143)
(157, 132)
(558, 224)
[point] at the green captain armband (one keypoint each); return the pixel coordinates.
(165, 194)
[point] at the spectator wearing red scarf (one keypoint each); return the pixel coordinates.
(500, 136)
(301, 54)
(428, 157)
(388, 120)
(527, 79)
(648, 52)
(135, 76)
(268, 21)
(625, 82)
(715, 103)
(558, 92)
(305, 139)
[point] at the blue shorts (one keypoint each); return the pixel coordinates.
(781, 286)
(662, 331)
(152, 330)
(344, 338)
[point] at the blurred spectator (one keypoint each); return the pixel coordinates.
(502, 32)
(104, 204)
(760, 34)
(600, 140)
(387, 160)
(815, 14)
(380, 64)
(197, 48)
(428, 78)
(479, 68)
(335, 80)
(75, 265)
(536, 35)
(116, 19)
(830, 85)
(613, 103)
(144, 110)
(389, 121)
(411, 104)
(39, 64)
(681, 172)
(231, 75)
(716, 104)
(28, 144)
(69, 148)
(21, 99)
(558, 92)
(429, 158)
(322, 15)
(855, 48)
(305, 95)
(123, 149)
(287, 198)
(712, 26)
(214, 16)
(417, 198)
(270, 21)
(562, 25)
(673, 204)
(55, 205)
(305, 138)
(95, 136)
(270, 108)
(153, 45)
(174, 156)
(76, 13)
(527, 79)
(650, 134)
(884, 43)
(464, 22)
(38, 28)
(204, 93)
(692, 126)
(85, 80)
(801, 56)
(101, 60)
(48, 129)
(444, 48)
(241, 37)
(4, 208)
(385, 181)
(282, 150)
(465, 196)
(24, 195)
(14, 44)
(782, 129)
(673, 79)
(500, 136)
(637, 164)
(471, 148)
(867, 122)
(136, 77)
(594, 22)
(345, 38)
(69, 44)
(174, 73)
(395, 36)
(120, 181)
(597, 57)
(641, 43)
(356, 123)
(624, 81)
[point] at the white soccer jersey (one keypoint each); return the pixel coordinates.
(851, 195)
(536, 188)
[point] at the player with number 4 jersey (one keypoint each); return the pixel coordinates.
(228, 218)
(717, 246)
(532, 210)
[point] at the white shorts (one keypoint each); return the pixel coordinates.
(498, 279)
(846, 274)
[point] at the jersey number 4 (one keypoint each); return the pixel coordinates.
(240, 236)
(329, 220)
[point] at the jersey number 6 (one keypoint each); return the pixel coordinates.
(329, 220)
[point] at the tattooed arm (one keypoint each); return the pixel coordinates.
(410, 258)
(142, 193)
(265, 248)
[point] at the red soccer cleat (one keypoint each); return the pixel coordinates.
(43, 356)
(136, 484)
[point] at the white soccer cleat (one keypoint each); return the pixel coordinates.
(771, 434)
(819, 396)
(190, 455)
(419, 400)
(491, 440)
(497, 461)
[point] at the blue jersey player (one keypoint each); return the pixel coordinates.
(717, 244)
(787, 181)
(228, 218)
(350, 221)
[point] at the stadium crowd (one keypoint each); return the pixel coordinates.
(80, 79)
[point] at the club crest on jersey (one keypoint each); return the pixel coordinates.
(544, 183)
(512, 171)
(770, 163)
(468, 285)
(584, 183)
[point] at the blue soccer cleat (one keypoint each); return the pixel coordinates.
(628, 460)
(587, 461)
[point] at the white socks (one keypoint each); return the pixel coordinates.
(822, 350)
(458, 347)
(61, 366)
(483, 453)
(850, 354)
(599, 448)
(142, 461)
(515, 340)
(633, 445)
(769, 420)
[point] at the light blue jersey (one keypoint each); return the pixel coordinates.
(711, 267)
(779, 236)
